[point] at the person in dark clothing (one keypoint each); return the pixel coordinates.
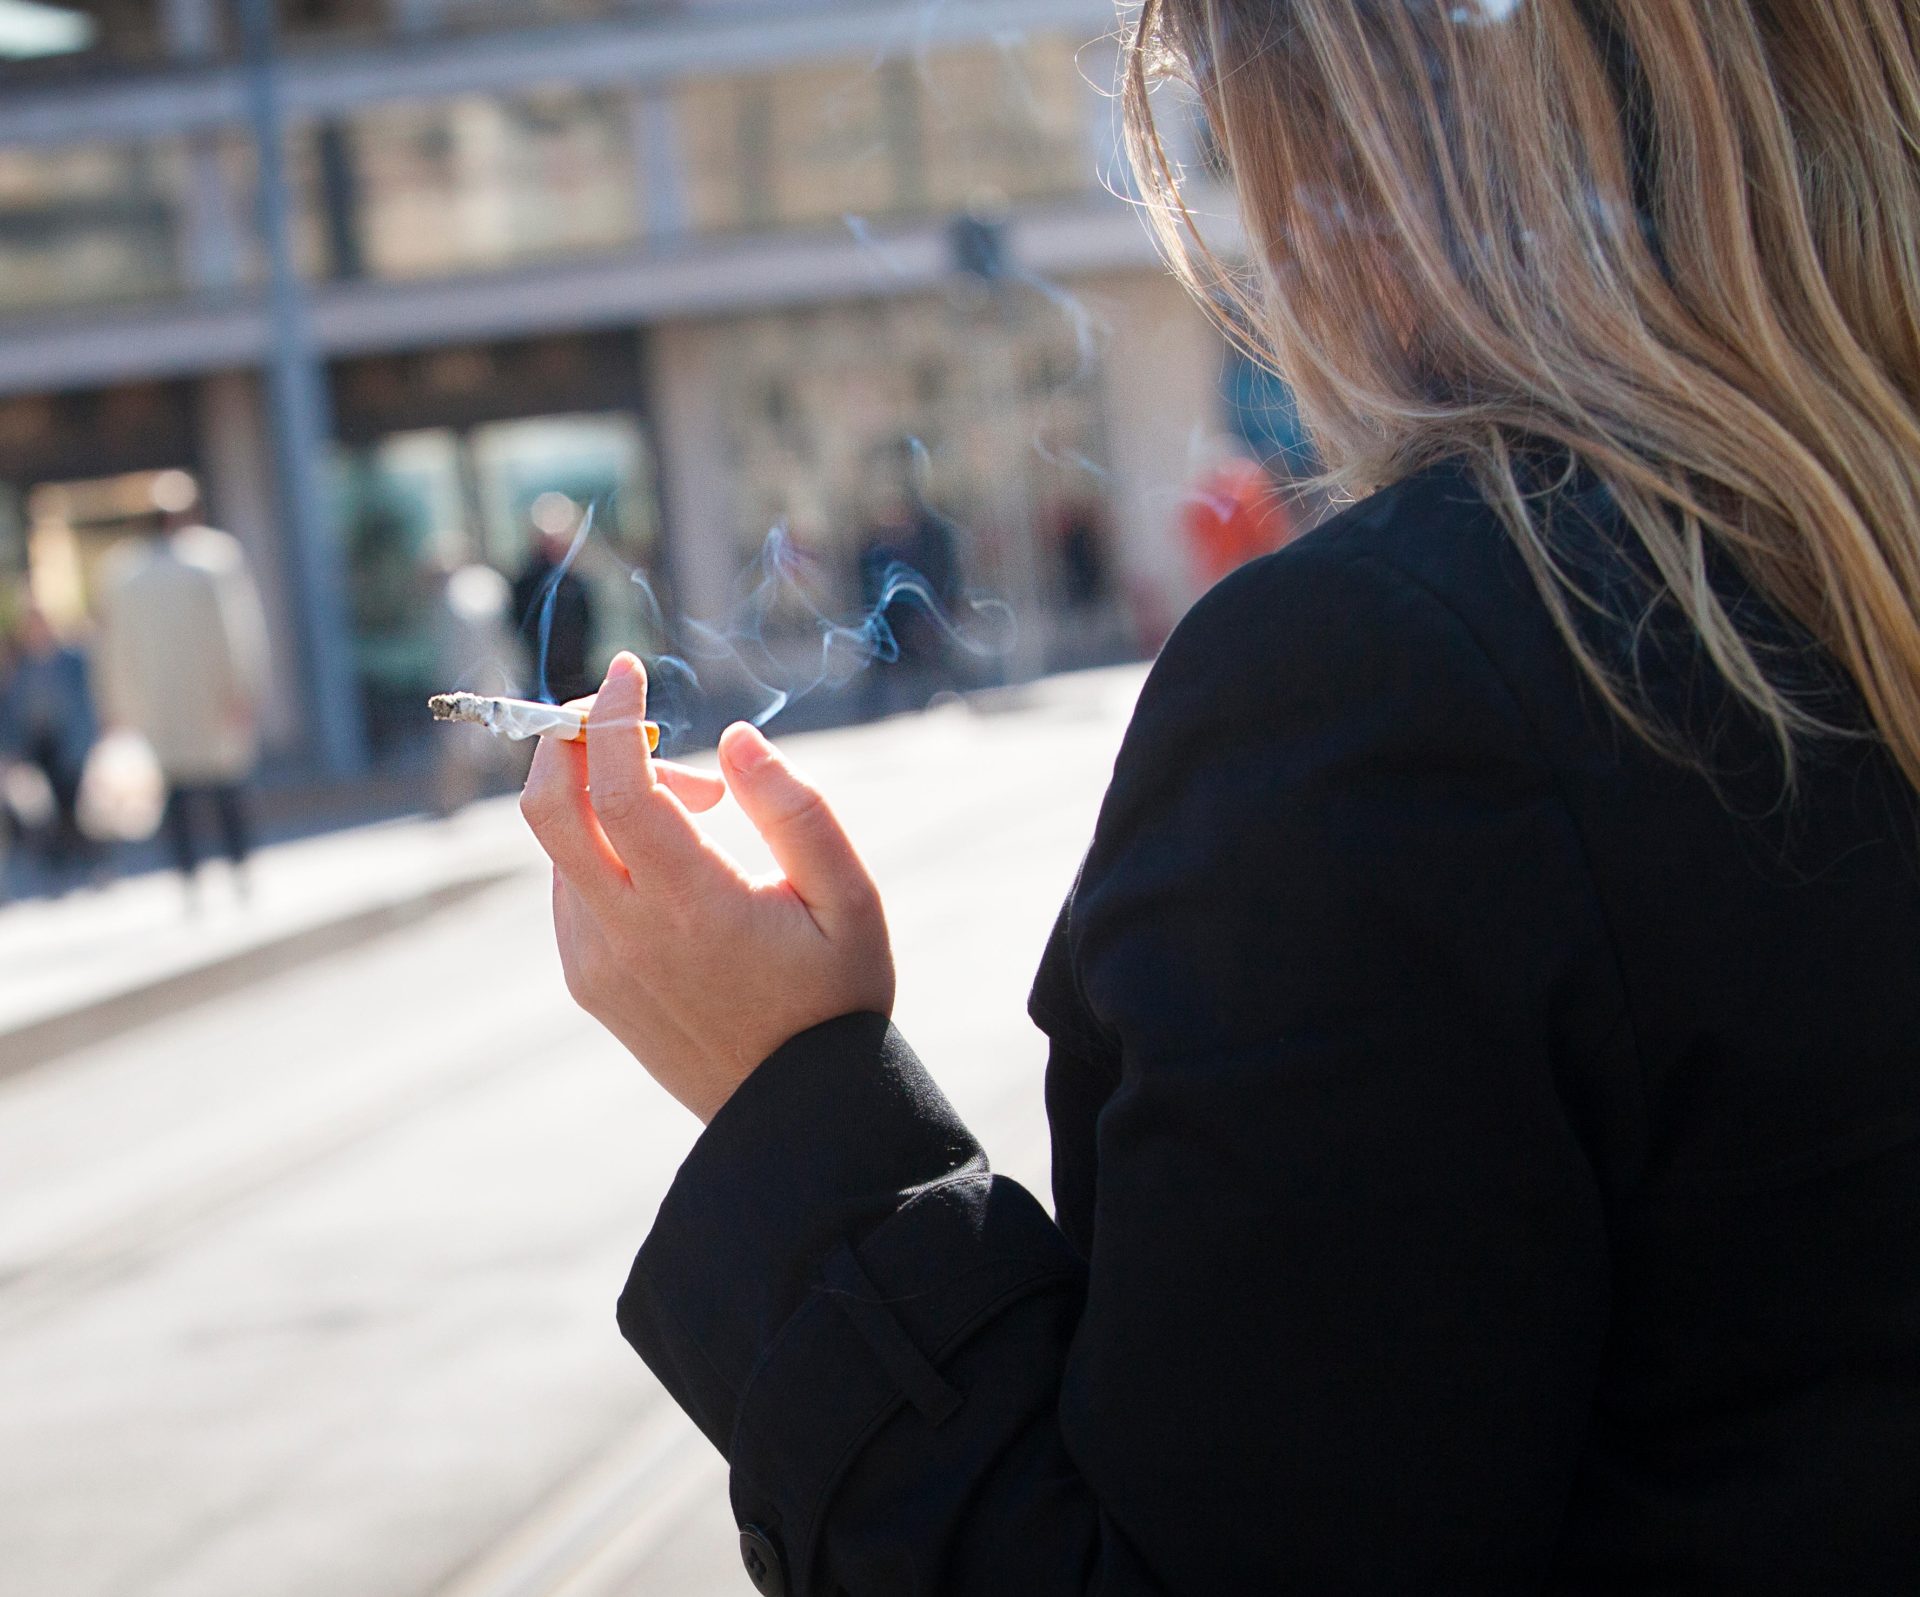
(47, 720)
(225, 803)
(911, 581)
(1484, 1066)
(1081, 556)
(557, 639)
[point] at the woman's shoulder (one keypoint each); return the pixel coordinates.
(1432, 533)
(1330, 755)
(1416, 590)
(1388, 654)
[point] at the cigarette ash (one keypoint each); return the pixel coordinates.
(468, 707)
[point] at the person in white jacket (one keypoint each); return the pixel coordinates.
(183, 661)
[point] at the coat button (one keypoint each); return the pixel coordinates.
(765, 1568)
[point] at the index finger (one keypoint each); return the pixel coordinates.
(648, 827)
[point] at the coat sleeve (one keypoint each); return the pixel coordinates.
(1336, 1316)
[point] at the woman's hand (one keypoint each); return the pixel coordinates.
(698, 970)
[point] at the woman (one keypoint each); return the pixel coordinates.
(1485, 1075)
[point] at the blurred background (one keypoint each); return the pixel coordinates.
(695, 262)
(323, 323)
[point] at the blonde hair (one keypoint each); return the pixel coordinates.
(1676, 240)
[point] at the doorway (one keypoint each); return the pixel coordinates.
(418, 506)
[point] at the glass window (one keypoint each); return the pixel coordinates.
(89, 223)
(812, 144)
(73, 530)
(420, 503)
(809, 145)
(478, 15)
(47, 38)
(600, 461)
(478, 181)
(240, 165)
(359, 19)
(399, 505)
(334, 19)
(13, 533)
(1004, 123)
(990, 416)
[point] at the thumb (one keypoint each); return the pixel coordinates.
(788, 811)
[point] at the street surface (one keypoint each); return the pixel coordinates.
(307, 1290)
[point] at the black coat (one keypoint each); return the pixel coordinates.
(1486, 1153)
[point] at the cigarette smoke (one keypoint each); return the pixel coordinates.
(778, 595)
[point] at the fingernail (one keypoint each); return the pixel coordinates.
(624, 665)
(747, 750)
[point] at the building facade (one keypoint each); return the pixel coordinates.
(380, 273)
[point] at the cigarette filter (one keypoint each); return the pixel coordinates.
(520, 718)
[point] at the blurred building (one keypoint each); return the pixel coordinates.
(692, 261)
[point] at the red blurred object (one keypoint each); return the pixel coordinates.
(1234, 514)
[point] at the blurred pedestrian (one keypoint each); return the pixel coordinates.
(1080, 553)
(47, 722)
(553, 605)
(910, 581)
(183, 661)
(895, 680)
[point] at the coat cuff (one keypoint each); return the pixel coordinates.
(826, 1139)
(833, 1239)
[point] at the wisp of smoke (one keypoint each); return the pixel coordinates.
(549, 593)
(1070, 460)
(844, 647)
(779, 587)
(921, 25)
(1088, 328)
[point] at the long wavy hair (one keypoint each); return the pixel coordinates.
(1674, 241)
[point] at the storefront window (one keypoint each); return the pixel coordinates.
(334, 19)
(47, 38)
(239, 160)
(987, 415)
(943, 133)
(479, 15)
(808, 145)
(89, 223)
(72, 531)
(13, 534)
(1004, 123)
(594, 460)
(416, 506)
(479, 181)
(359, 19)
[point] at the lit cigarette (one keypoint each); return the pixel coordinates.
(520, 718)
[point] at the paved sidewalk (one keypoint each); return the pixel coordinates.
(95, 963)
